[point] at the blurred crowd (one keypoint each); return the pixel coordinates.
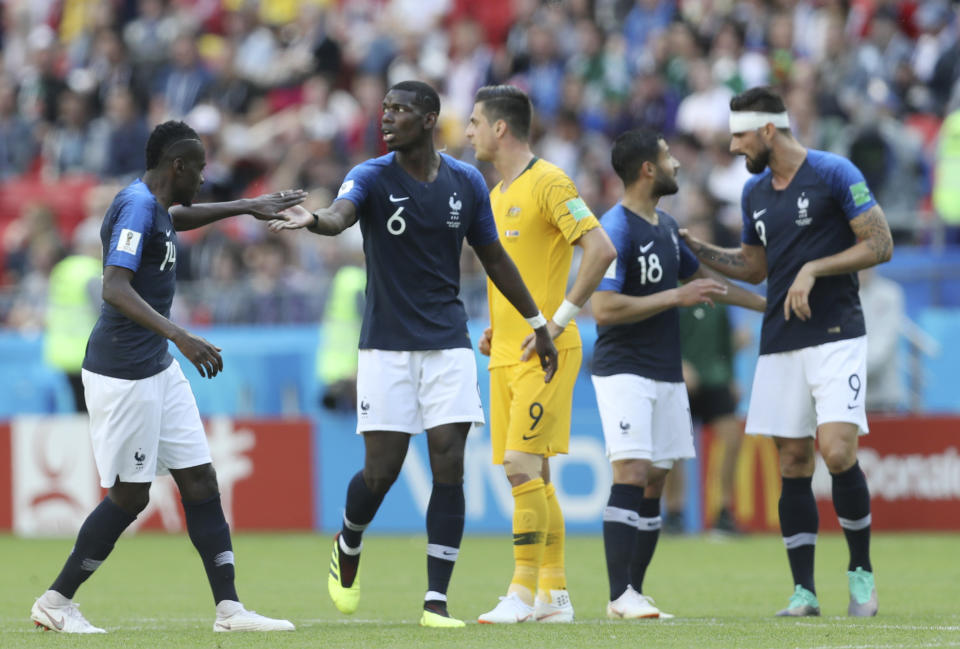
(287, 93)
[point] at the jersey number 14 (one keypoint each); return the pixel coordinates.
(170, 257)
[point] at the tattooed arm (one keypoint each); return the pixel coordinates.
(874, 246)
(746, 263)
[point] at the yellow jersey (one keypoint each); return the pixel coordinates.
(539, 218)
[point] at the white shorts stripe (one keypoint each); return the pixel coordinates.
(223, 558)
(854, 524)
(620, 515)
(803, 538)
(444, 552)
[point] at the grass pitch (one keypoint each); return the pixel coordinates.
(152, 593)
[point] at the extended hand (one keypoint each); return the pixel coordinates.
(293, 218)
(485, 341)
(699, 291)
(269, 206)
(529, 344)
(798, 296)
(204, 356)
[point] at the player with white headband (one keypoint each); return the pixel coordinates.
(809, 224)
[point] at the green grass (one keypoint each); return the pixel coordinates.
(152, 593)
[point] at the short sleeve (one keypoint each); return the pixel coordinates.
(689, 264)
(483, 228)
(357, 183)
(561, 202)
(848, 186)
(129, 231)
(616, 273)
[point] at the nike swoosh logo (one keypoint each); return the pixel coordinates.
(447, 553)
(224, 625)
(53, 620)
(646, 247)
(527, 438)
(398, 200)
(851, 407)
(758, 213)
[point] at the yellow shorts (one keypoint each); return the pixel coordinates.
(529, 415)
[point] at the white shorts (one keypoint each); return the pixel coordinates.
(141, 428)
(410, 392)
(644, 419)
(796, 391)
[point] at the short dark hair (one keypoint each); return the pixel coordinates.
(761, 99)
(631, 149)
(163, 137)
(426, 98)
(510, 104)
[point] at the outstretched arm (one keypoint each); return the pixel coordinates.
(119, 293)
(329, 221)
(874, 246)
(746, 263)
(265, 207)
(734, 295)
(505, 276)
(613, 308)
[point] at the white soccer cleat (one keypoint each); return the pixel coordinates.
(232, 616)
(557, 610)
(633, 606)
(51, 614)
(510, 610)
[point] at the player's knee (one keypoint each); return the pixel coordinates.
(379, 479)
(839, 458)
(131, 498)
(522, 467)
(198, 483)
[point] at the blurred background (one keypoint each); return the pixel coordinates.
(286, 93)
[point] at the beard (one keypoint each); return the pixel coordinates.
(758, 164)
(664, 185)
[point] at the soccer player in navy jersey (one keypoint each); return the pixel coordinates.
(416, 367)
(143, 416)
(809, 224)
(636, 371)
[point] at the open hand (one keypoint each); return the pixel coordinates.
(204, 355)
(529, 344)
(292, 218)
(269, 206)
(699, 291)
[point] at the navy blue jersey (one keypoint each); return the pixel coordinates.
(137, 234)
(650, 259)
(412, 237)
(806, 221)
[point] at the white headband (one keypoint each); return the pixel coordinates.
(743, 121)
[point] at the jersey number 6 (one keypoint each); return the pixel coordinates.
(395, 224)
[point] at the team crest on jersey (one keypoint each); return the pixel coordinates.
(455, 205)
(803, 203)
(513, 212)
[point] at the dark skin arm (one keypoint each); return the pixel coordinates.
(119, 293)
(505, 276)
(263, 208)
(329, 221)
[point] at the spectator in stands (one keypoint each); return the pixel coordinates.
(185, 81)
(65, 146)
(118, 139)
(17, 144)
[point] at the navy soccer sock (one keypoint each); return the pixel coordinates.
(799, 523)
(620, 534)
(851, 501)
(210, 534)
(648, 532)
(96, 539)
(362, 505)
(444, 532)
